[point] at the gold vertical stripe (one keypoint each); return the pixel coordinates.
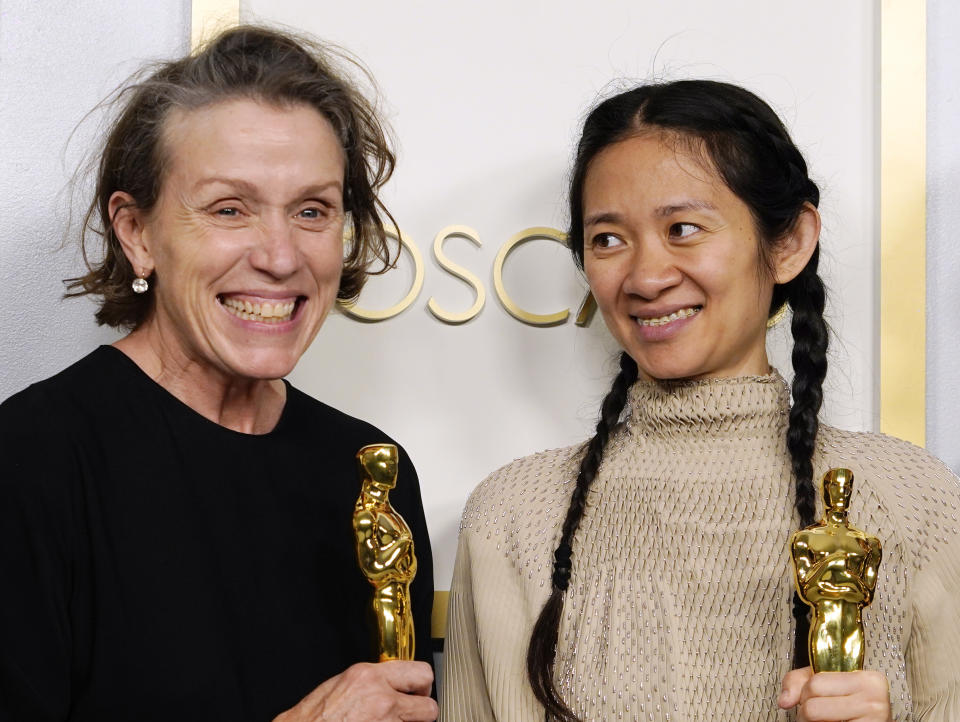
(209, 16)
(903, 194)
(438, 621)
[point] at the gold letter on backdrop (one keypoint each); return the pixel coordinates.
(458, 271)
(362, 314)
(530, 234)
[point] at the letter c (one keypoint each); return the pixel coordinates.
(529, 234)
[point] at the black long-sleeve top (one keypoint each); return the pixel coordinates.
(157, 566)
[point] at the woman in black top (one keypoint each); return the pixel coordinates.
(175, 538)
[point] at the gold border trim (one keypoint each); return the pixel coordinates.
(208, 17)
(903, 132)
(438, 620)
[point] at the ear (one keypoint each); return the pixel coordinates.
(794, 250)
(129, 226)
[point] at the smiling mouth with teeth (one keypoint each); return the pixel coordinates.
(261, 312)
(663, 320)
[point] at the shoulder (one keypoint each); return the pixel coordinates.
(540, 481)
(60, 390)
(44, 430)
(334, 423)
(63, 406)
(336, 437)
(886, 459)
(902, 485)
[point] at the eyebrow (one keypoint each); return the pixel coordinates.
(661, 212)
(598, 218)
(250, 189)
(691, 205)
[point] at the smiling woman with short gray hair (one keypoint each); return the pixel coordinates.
(175, 518)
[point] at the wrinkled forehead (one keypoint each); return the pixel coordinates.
(181, 123)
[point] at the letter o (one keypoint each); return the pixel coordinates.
(362, 314)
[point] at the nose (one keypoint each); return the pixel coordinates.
(653, 270)
(276, 252)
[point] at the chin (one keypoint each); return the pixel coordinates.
(667, 370)
(265, 367)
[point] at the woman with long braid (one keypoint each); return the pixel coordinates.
(645, 575)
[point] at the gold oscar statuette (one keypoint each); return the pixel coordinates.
(835, 568)
(385, 550)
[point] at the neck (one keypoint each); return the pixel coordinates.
(715, 407)
(250, 406)
(836, 516)
(374, 493)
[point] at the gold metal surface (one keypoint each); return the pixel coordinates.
(835, 568)
(587, 310)
(778, 315)
(460, 272)
(385, 550)
(208, 17)
(363, 314)
(438, 619)
(529, 234)
(903, 193)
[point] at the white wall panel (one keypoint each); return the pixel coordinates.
(57, 61)
(943, 222)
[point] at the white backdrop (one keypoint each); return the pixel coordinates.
(486, 100)
(57, 61)
(943, 219)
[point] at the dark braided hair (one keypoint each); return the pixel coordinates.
(543, 643)
(751, 150)
(806, 298)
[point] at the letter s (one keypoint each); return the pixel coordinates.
(458, 271)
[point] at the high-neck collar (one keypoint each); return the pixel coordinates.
(715, 406)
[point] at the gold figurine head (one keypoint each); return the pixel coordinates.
(837, 489)
(378, 463)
